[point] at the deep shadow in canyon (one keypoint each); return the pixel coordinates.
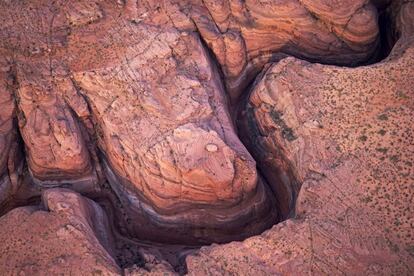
(129, 250)
(284, 193)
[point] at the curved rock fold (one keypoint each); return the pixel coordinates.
(130, 124)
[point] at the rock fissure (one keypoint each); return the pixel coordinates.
(190, 123)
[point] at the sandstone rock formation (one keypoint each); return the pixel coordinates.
(168, 144)
(9, 147)
(69, 235)
(347, 136)
(244, 35)
(134, 104)
(129, 93)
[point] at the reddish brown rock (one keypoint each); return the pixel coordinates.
(125, 101)
(244, 35)
(347, 135)
(136, 79)
(11, 157)
(68, 236)
(157, 113)
(156, 126)
(149, 102)
(55, 147)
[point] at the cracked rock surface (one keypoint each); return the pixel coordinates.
(347, 136)
(69, 235)
(129, 125)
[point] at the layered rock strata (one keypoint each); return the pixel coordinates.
(347, 136)
(125, 101)
(129, 93)
(68, 235)
(244, 35)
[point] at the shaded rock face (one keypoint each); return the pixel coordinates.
(347, 136)
(9, 147)
(128, 93)
(244, 35)
(133, 104)
(69, 235)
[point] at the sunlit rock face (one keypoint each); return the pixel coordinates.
(244, 35)
(150, 109)
(345, 134)
(131, 94)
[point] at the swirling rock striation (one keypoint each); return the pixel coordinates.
(244, 35)
(106, 98)
(69, 235)
(346, 134)
(132, 94)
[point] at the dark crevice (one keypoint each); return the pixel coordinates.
(128, 250)
(387, 39)
(388, 34)
(285, 208)
(248, 132)
(234, 110)
(25, 193)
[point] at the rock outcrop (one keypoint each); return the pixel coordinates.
(68, 235)
(144, 106)
(56, 150)
(244, 35)
(169, 147)
(128, 93)
(346, 134)
(108, 98)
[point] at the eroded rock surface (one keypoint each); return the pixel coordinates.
(133, 103)
(69, 235)
(166, 135)
(56, 151)
(347, 135)
(244, 35)
(142, 106)
(128, 92)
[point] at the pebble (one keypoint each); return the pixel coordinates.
(211, 147)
